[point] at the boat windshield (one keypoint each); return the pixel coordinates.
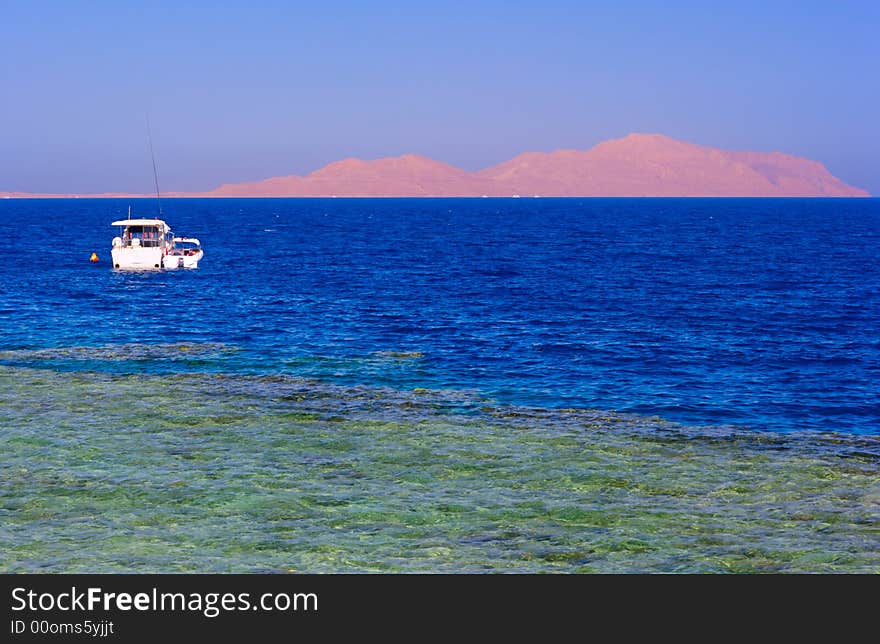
(147, 236)
(185, 248)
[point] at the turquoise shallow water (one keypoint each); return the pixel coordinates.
(233, 473)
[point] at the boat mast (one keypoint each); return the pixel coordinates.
(153, 157)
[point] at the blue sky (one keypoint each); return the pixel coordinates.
(247, 90)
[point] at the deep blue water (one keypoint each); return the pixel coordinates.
(756, 312)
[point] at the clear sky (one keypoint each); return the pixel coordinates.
(247, 90)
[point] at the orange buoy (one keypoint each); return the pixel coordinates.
(94, 257)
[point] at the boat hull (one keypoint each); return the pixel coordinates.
(138, 259)
(174, 261)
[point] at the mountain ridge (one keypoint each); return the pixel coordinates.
(637, 165)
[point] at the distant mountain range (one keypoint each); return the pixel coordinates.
(638, 165)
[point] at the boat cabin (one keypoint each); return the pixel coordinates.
(143, 233)
(187, 246)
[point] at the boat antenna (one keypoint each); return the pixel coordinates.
(153, 157)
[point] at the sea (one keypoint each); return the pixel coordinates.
(444, 385)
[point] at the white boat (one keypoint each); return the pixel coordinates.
(146, 244)
(149, 244)
(185, 253)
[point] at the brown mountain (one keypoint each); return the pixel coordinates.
(407, 175)
(655, 165)
(636, 165)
